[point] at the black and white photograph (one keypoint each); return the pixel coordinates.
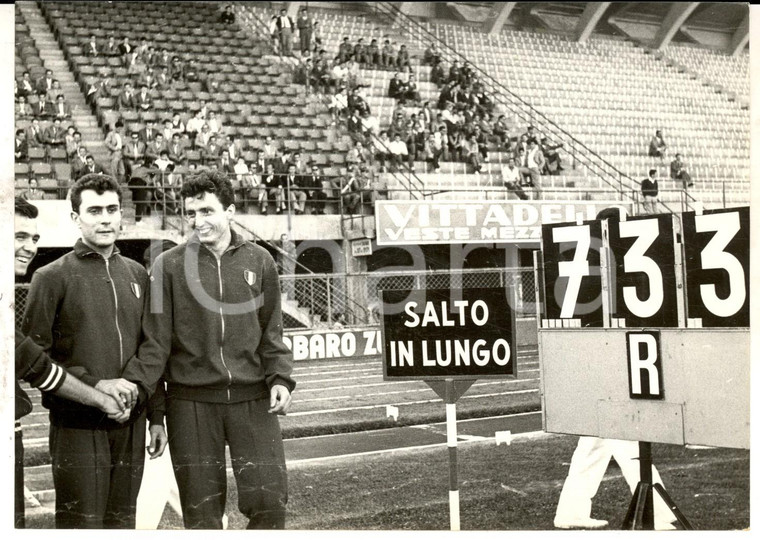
(378, 266)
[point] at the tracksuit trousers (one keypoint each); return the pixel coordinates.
(198, 432)
(97, 475)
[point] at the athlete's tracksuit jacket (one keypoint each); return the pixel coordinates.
(85, 312)
(212, 327)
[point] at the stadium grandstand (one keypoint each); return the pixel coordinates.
(569, 104)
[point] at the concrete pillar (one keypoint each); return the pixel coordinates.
(499, 14)
(355, 287)
(675, 18)
(589, 19)
(741, 37)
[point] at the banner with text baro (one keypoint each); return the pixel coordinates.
(460, 222)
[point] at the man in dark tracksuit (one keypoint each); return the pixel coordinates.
(213, 328)
(33, 365)
(84, 310)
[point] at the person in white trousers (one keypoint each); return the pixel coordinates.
(587, 468)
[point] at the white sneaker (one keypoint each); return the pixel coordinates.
(580, 523)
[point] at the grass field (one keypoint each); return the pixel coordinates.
(501, 488)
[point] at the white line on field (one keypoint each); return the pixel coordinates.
(383, 405)
(332, 398)
(526, 435)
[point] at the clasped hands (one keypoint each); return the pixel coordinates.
(119, 397)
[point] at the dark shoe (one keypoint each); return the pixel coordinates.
(691, 184)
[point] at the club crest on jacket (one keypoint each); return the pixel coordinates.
(135, 289)
(250, 277)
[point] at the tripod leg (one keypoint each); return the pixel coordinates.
(673, 508)
(635, 516)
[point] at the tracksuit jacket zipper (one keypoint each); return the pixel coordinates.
(221, 315)
(116, 311)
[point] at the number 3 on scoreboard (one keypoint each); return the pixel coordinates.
(646, 232)
(576, 269)
(714, 256)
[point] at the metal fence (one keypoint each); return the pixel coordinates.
(332, 299)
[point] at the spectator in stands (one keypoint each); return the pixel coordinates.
(304, 31)
(45, 82)
(78, 163)
(345, 50)
(203, 137)
(370, 126)
(471, 153)
(115, 143)
(34, 193)
(315, 192)
(54, 91)
(224, 163)
(382, 149)
(55, 135)
(269, 149)
(270, 183)
(522, 144)
(149, 132)
(295, 190)
(126, 99)
(410, 91)
(354, 127)
(441, 136)
(176, 70)
(678, 172)
(227, 16)
(111, 48)
(274, 35)
(282, 162)
(360, 52)
(349, 189)
(34, 134)
(534, 159)
(73, 141)
(454, 72)
(192, 74)
(214, 124)
(197, 126)
(338, 104)
(91, 166)
(23, 109)
(396, 88)
(163, 80)
(358, 155)
(25, 85)
(398, 152)
(512, 178)
(372, 54)
(133, 153)
(148, 78)
(531, 135)
(260, 165)
(233, 147)
(438, 75)
(142, 192)
(177, 151)
(657, 146)
(125, 47)
(150, 57)
(649, 192)
(42, 109)
(143, 100)
(154, 148)
(133, 63)
(244, 184)
(210, 152)
(316, 32)
(553, 159)
(402, 60)
(285, 27)
(388, 55)
(501, 132)
(431, 56)
(92, 48)
(300, 164)
(20, 146)
(177, 124)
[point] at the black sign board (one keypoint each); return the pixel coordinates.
(644, 365)
(572, 276)
(643, 271)
(445, 333)
(716, 246)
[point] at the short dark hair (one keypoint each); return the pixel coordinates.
(100, 183)
(612, 214)
(24, 208)
(652, 172)
(209, 182)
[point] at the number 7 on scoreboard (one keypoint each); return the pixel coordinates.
(572, 276)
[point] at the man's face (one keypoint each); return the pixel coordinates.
(292, 170)
(135, 138)
(90, 162)
(99, 218)
(25, 243)
(159, 139)
(511, 163)
(207, 216)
